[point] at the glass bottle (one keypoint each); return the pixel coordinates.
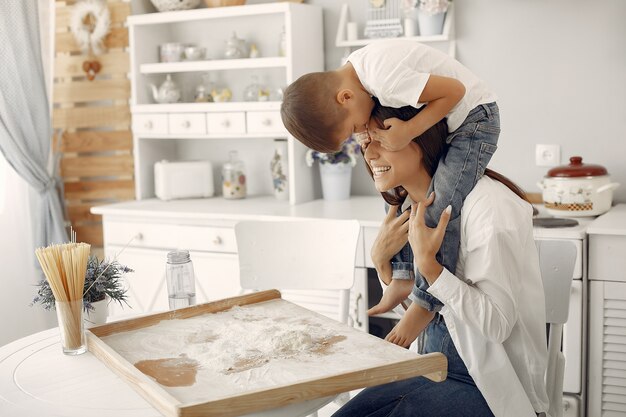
(282, 43)
(233, 178)
(180, 278)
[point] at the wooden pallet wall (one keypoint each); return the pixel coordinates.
(94, 118)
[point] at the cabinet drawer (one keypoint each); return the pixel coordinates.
(265, 122)
(606, 257)
(187, 123)
(150, 123)
(232, 122)
(170, 236)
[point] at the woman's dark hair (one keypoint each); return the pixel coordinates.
(433, 146)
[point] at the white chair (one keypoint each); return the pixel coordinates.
(299, 255)
(557, 259)
(305, 260)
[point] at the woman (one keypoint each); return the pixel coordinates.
(489, 319)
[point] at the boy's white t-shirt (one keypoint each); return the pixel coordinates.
(396, 71)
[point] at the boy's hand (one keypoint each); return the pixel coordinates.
(396, 292)
(396, 135)
(392, 236)
(410, 326)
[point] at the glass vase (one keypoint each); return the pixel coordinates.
(71, 326)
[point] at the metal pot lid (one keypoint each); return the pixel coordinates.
(576, 168)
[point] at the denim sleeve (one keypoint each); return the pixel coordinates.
(423, 298)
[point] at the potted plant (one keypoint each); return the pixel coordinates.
(102, 279)
(335, 169)
(430, 14)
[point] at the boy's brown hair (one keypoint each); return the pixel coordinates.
(310, 112)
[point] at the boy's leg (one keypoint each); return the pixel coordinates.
(471, 148)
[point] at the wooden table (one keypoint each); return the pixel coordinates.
(36, 379)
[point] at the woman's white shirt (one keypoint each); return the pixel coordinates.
(496, 313)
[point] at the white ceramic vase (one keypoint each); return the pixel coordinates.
(336, 179)
(279, 169)
(97, 316)
(430, 24)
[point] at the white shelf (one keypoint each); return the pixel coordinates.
(447, 34)
(211, 13)
(276, 135)
(206, 107)
(302, 25)
(213, 65)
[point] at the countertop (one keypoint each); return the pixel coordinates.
(368, 210)
(611, 223)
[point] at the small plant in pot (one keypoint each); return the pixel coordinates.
(102, 279)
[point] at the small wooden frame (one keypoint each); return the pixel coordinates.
(404, 364)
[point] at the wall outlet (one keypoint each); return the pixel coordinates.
(547, 155)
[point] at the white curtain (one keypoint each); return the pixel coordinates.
(25, 126)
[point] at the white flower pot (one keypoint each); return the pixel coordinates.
(97, 316)
(430, 24)
(336, 179)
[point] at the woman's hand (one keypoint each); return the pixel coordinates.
(426, 241)
(392, 236)
(395, 136)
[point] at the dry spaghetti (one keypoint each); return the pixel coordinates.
(64, 267)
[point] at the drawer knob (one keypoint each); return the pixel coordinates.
(139, 236)
(148, 125)
(225, 123)
(217, 240)
(266, 122)
(186, 124)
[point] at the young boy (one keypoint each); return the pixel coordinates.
(324, 109)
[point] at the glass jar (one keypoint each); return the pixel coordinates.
(253, 91)
(235, 48)
(180, 278)
(202, 95)
(233, 178)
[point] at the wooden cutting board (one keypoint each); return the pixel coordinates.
(247, 354)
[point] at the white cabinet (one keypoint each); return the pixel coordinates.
(607, 349)
(189, 130)
(147, 291)
(143, 247)
(607, 314)
(217, 275)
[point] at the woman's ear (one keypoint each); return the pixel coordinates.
(344, 95)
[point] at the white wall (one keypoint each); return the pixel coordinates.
(558, 67)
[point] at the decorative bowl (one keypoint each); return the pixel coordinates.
(222, 3)
(171, 5)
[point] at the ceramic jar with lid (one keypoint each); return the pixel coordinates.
(577, 189)
(233, 178)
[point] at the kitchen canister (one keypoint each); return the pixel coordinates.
(577, 189)
(233, 178)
